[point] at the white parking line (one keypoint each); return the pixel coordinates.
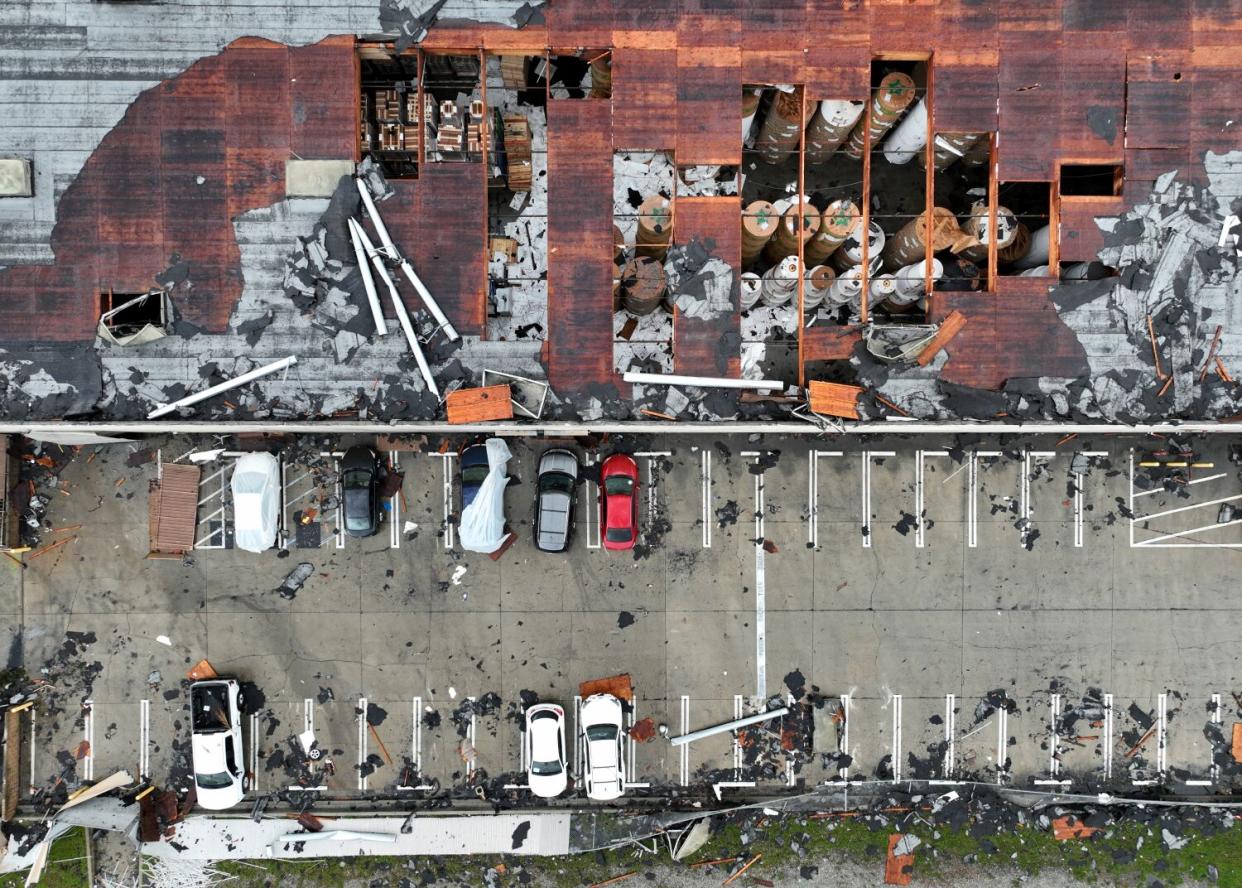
(761, 589)
(591, 492)
(737, 739)
(705, 478)
(895, 702)
(34, 713)
(575, 763)
(1002, 742)
(362, 743)
(684, 749)
(144, 739)
(653, 494)
(1054, 746)
(844, 772)
(812, 493)
(471, 733)
(253, 758)
(1162, 735)
(450, 536)
(972, 504)
(789, 769)
(88, 734)
(1214, 771)
(308, 714)
(867, 456)
(394, 503)
(1025, 507)
(920, 497)
(949, 765)
(1108, 736)
(416, 738)
(631, 745)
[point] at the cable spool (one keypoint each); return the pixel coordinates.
(908, 138)
(751, 287)
(642, 285)
(908, 245)
(782, 128)
(977, 226)
(847, 289)
(785, 241)
(655, 226)
(815, 288)
(979, 153)
(1036, 254)
(750, 105)
(601, 77)
(881, 288)
(618, 244)
(759, 221)
(890, 99)
(850, 252)
(1018, 247)
(835, 224)
(780, 282)
(949, 148)
(830, 126)
(912, 282)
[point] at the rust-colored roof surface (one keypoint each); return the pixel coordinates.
(1149, 85)
(231, 121)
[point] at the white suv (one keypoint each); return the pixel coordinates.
(605, 758)
(216, 743)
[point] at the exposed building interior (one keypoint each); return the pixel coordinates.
(803, 194)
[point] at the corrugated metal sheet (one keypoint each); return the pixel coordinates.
(173, 510)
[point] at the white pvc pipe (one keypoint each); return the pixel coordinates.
(909, 137)
(257, 373)
(432, 305)
(390, 249)
(403, 317)
(1037, 253)
(701, 381)
(364, 266)
(724, 728)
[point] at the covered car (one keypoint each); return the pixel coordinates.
(483, 518)
(256, 501)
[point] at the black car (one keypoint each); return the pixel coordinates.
(360, 499)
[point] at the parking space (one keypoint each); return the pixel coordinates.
(989, 611)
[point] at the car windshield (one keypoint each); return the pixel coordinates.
(474, 474)
(545, 769)
(618, 484)
(557, 481)
(618, 535)
(223, 780)
(358, 479)
(601, 732)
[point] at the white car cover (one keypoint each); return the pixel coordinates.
(483, 521)
(256, 487)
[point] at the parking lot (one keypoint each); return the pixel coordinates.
(1024, 611)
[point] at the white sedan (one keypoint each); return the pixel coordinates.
(545, 750)
(605, 759)
(256, 501)
(216, 743)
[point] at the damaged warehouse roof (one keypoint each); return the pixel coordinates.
(577, 215)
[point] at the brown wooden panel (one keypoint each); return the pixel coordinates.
(710, 347)
(579, 23)
(644, 104)
(1081, 238)
(709, 89)
(1093, 91)
(773, 24)
(1015, 333)
(448, 246)
(1158, 100)
(580, 239)
(1030, 108)
(324, 102)
(966, 88)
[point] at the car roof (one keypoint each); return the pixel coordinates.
(601, 709)
(543, 739)
(559, 460)
(359, 456)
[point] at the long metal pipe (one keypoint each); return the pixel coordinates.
(432, 306)
(390, 250)
(368, 282)
(403, 317)
(702, 381)
(257, 373)
(724, 728)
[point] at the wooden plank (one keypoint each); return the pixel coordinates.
(174, 513)
(1070, 827)
(479, 404)
(898, 868)
(949, 327)
(834, 399)
(1235, 748)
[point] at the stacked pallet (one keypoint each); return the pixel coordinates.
(517, 149)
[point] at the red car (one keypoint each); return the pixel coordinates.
(618, 501)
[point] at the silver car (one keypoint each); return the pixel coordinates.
(554, 499)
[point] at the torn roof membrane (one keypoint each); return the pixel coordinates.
(187, 191)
